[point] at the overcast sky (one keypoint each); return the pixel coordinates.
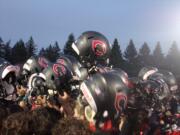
(53, 20)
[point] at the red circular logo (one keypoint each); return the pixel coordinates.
(59, 69)
(43, 62)
(60, 61)
(99, 47)
(120, 97)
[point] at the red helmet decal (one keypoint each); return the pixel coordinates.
(59, 69)
(60, 61)
(120, 97)
(99, 47)
(43, 62)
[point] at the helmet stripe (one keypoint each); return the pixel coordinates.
(74, 47)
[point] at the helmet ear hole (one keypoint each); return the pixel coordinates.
(36, 70)
(52, 78)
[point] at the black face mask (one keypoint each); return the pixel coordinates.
(38, 87)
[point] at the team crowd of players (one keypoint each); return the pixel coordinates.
(82, 94)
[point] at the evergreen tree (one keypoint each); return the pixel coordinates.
(144, 55)
(67, 47)
(8, 51)
(173, 58)
(158, 56)
(130, 53)
(5, 50)
(2, 48)
(19, 53)
(42, 52)
(56, 50)
(1, 41)
(31, 47)
(144, 50)
(116, 56)
(132, 64)
(51, 52)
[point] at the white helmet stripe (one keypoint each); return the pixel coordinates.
(78, 72)
(74, 47)
(9, 69)
(88, 96)
(29, 61)
(146, 75)
(27, 67)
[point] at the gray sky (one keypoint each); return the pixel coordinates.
(53, 20)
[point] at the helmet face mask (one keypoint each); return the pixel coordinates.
(51, 78)
(167, 78)
(170, 79)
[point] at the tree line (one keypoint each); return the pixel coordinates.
(131, 60)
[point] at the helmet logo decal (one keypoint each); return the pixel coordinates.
(74, 47)
(43, 62)
(120, 101)
(9, 69)
(59, 69)
(99, 47)
(60, 61)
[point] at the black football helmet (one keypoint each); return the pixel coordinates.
(33, 65)
(73, 66)
(167, 77)
(52, 78)
(106, 94)
(56, 76)
(157, 84)
(92, 46)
